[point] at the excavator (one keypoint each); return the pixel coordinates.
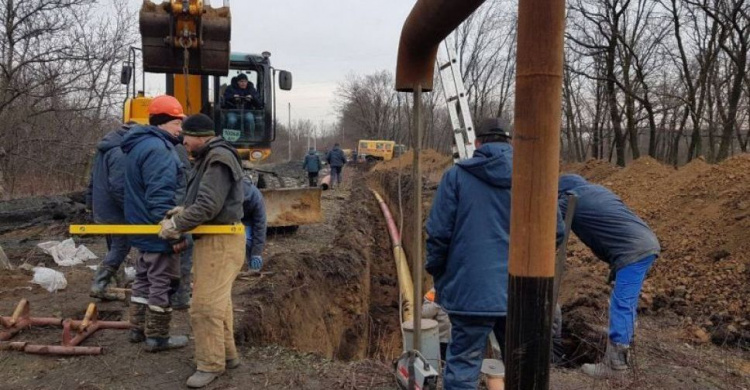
(189, 41)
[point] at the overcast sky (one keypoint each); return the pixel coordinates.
(320, 42)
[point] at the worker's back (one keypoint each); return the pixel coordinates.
(605, 224)
(469, 229)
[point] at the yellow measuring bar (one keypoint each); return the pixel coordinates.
(152, 229)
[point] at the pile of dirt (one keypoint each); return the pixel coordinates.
(594, 170)
(701, 214)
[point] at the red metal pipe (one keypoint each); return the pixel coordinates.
(392, 229)
(429, 22)
(325, 182)
(25, 322)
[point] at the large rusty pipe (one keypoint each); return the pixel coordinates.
(36, 349)
(536, 143)
(428, 23)
(325, 182)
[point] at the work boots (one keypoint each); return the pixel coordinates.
(102, 278)
(138, 319)
(616, 362)
(157, 330)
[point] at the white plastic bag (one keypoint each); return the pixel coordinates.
(65, 253)
(130, 274)
(49, 279)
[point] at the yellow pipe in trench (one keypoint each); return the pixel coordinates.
(405, 284)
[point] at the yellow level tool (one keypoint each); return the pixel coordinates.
(153, 229)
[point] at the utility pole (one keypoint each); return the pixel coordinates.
(289, 128)
(536, 143)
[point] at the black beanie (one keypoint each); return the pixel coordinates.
(198, 125)
(160, 119)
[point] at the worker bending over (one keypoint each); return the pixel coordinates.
(214, 197)
(618, 237)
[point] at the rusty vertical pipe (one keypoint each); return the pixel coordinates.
(536, 141)
(418, 226)
(428, 23)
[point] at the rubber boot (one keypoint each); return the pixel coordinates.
(138, 319)
(201, 379)
(616, 362)
(101, 281)
(157, 330)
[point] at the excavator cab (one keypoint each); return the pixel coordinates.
(179, 30)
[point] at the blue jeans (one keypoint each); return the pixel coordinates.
(118, 248)
(336, 175)
(466, 350)
(624, 301)
(233, 119)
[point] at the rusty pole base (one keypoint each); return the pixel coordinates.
(70, 341)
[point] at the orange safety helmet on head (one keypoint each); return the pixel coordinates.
(166, 105)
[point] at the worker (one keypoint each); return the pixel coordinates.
(242, 95)
(433, 311)
(214, 197)
(467, 250)
(105, 197)
(254, 219)
(336, 159)
(153, 179)
(354, 156)
(180, 299)
(621, 239)
(312, 165)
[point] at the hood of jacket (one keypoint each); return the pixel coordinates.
(570, 182)
(111, 140)
(140, 133)
(492, 163)
(311, 153)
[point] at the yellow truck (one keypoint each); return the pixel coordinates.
(379, 150)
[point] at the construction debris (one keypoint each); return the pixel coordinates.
(65, 253)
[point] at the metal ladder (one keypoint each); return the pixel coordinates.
(454, 92)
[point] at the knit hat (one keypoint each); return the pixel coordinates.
(198, 125)
(242, 76)
(494, 127)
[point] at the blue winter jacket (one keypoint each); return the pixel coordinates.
(312, 162)
(254, 211)
(602, 221)
(107, 185)
(468, 233)
(153, 180)
(336, 157)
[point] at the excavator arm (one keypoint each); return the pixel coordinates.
(185, 36)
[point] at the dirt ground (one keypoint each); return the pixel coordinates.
(324, 312)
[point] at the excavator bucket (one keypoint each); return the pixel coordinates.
(163, 42)
(292, 206)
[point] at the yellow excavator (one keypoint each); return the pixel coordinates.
(189, 41)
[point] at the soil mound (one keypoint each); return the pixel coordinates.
(701, 214)
(594, 170)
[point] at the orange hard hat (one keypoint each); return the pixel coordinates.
(166, 105)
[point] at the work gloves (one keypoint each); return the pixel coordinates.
(169, 230)
(255, 263)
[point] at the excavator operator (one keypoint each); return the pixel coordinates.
(240, 98)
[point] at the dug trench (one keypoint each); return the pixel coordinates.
(335, 295)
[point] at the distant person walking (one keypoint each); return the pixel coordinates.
(336, 159)
(312, 165)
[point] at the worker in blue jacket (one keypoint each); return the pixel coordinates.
(621, 239)
(105, 197)
(467, 250)
(254, 219)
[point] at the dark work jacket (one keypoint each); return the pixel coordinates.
(336, 157)
(312, 163)
(234, 89)
(605, 224)
(215, 194)
(107, 184)
(153, 180)
(254, 217)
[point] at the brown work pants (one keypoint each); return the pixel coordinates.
(217, 260)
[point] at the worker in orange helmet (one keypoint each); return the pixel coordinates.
(155, 182)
